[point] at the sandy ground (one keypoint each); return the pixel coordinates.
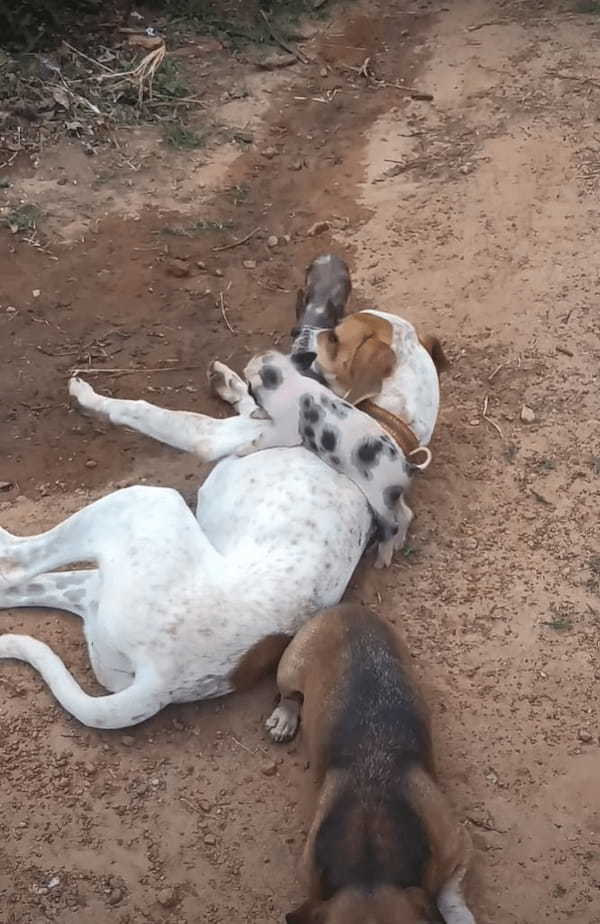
(485, 232)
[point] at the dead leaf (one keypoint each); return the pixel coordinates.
(61, 97)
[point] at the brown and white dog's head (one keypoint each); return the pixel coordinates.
(386, 905)
(357, 355)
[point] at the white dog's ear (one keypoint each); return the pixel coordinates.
(259, 413)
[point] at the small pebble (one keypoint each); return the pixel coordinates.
(91, 463)
(318, 228)
(527, 414)
(272, 241)
(127, 740)
(115, 897)
(585, 736)
(250, 264)
(210, 840)
(178, 268)
(269, 153)
(36, 293)
(167, 898)
(269, 770)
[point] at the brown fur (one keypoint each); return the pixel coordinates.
(324, 663)
(395, 426)
(359, 354)
(435, 350)
(258, 661)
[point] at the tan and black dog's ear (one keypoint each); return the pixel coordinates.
(372, 362)
(310, 912)
(299, 304)
(435, 350)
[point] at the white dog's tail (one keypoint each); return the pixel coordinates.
(117, 710)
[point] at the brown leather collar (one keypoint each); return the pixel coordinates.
(395, 426)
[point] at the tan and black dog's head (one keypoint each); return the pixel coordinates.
(382, 906)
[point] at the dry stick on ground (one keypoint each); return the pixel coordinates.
(236, 243)
(489, 420)
(491, 22)
(497, 370)
(84, 370)
(282, 43)
(580, 78)
(224, 313)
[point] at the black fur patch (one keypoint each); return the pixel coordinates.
(309, 431)
(335, 461)
(366, 455)
(329, 439)
(271, 377)
(372, 836)
(311, 412)
(392, 494)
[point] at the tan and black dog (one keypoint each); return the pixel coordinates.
(384, 846)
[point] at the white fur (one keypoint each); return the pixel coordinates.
(174, 601)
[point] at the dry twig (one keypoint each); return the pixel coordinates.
(489, 420)
(236, 243)
(85, 370)
(224, 313)
(300, 56)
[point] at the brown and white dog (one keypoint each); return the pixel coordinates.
(384, 846)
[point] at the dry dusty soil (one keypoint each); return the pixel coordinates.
(475, 214)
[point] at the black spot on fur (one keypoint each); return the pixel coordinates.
(335, 461)
(378, 735)
(313, 446)
(338, 407)
(366, 455)
(308, 431)
(271, 377)
(328, 440)
(310, 410)
(392, 494)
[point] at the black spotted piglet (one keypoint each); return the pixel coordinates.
(301, 411)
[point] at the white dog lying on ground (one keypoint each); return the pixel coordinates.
(179, 608)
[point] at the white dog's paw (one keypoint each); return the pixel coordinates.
(84, 394)
(225, 383)
(283, 722)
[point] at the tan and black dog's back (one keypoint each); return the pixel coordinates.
(383, 840)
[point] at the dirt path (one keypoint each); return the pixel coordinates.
(486, 232)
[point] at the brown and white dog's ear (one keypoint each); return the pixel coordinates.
(372, 362)
(435, 350)
(309, 912)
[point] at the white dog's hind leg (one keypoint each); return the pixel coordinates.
(136, 703)
(74, 591)
(206, 437)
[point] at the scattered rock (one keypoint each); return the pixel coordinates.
(167, 898)
(115, 897)
(269, 153)
(319, 227)
(127, 740)
(178, 268)
(91, 463)
(11, 310)
(323, 72)
(250, 264)
(269, 769)
(218, 272)
(297, 165)
(201, 265)
(36, 293)
(272, 241)
(210, 840)
(5, 485)
(205, 806)
(275, 61)
(527, 414)
(585, 735)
